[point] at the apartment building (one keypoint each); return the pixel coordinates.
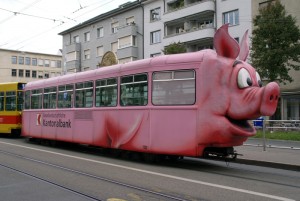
(110, 38)
(21, 66)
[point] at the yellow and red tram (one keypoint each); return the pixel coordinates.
(11, 106)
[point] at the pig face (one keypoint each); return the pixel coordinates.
(234, 94)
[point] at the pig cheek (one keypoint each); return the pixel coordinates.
(245, 106)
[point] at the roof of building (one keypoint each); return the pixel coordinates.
(122, 8)
(29, 52)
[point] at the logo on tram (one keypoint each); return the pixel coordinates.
(38, 119)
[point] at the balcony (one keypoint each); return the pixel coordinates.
(126, 30)
(130, 51)
(191, 35)
(188, 8)
(74, 47)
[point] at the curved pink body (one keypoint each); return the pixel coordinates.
(218, 118)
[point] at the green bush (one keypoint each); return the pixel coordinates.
(280, 135)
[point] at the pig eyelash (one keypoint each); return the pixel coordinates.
(236, 62)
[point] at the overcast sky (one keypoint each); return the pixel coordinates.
(33, 25)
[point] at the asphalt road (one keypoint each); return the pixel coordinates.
(30, 171)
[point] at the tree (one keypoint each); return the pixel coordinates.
(174, 48)
(275, 43)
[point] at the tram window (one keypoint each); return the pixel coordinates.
(174, 88)
(84, 94)
(36, 99)
(20, 100)
(106, 92)
(134, 90)
(10, 101)
(65, 96)
(1, 101)
(49, 98)
(27, 99)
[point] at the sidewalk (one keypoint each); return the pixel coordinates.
(278, 154)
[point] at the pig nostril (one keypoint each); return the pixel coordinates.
(271, 97)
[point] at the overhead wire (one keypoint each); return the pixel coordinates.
(36, 16)
(54, 20)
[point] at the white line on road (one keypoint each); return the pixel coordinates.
(160, 174)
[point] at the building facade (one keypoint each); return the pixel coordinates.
(21, 66)
(113, 37)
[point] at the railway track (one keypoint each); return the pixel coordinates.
(154, 195)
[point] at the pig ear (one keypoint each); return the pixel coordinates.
(224, 44)
(244, 47)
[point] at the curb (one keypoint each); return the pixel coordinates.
(268, 164)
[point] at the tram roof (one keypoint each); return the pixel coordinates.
(122, 69)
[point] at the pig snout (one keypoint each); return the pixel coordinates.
(269, 99)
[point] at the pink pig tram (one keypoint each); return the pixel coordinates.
(172, 105)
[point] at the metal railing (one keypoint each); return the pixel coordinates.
(275, 125)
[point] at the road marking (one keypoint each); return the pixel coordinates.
(160, 174)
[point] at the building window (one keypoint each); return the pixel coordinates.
(40, 75)
(13, 72)
(34, 61)
(71, 56)
(21, 73)
(126, 41)
(114, 27)
(86, 54)
(27, 73)
(27, 60)
(52, 64)
(87, 36)
(100, 51)
(231, 17)
(155, 14)
(41, 62)
(46, 75)
(47, 63)
(21, 60)
(291, 107)
(33, 74)
(100, 32)
(58, 64)
(14, 60)
(155, 37)
(76, 39)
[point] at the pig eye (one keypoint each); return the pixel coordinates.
(244, 79)
(258, 80)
